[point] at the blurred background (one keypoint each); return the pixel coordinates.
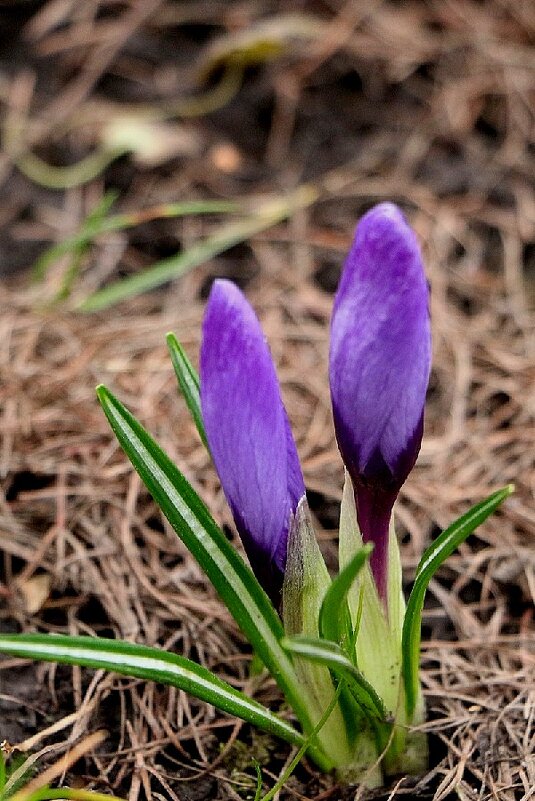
(150, 146)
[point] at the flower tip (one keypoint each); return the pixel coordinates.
(222, 284)
(386, 209)
(386, 220)
(229, 324)
(223, 289)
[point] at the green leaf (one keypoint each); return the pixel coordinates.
(78, 244)
(331, 655)
(258, 791)
(19, 772)
(334, 624)
(445, 544)
(334, 619)
(232, 578)
(96, 224)
(268, 214)
(64, 794)
(2, 773)
(188, 381)
(152, 664)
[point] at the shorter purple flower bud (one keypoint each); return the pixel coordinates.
(380, 359)
(248, 432)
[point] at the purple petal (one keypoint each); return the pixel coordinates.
(248, 431)
(379, 367)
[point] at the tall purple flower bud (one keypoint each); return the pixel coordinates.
(380, 359)
(248, 432)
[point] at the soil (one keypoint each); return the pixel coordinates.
(428, 104)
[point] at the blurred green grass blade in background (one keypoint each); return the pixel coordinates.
(267, 214)
(97, 223)
(444, 545)
(76, 245)
(188, 381)
(151, 664)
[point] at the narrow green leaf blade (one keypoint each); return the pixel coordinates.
(331, 655)
(268, 214)
(334, 620)
(96, 224)
(2, 773)
(188, 381)
(445, 544)
(234, 581)
(152, 664)
(79, 242)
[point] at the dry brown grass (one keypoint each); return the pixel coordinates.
(448, 93)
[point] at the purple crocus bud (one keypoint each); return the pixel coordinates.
(380, 359)
(248, 432)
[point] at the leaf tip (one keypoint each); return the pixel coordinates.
(102, 393)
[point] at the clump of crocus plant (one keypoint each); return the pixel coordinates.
(343, 650)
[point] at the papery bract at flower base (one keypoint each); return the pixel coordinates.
(248, 432)
(379, 369)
